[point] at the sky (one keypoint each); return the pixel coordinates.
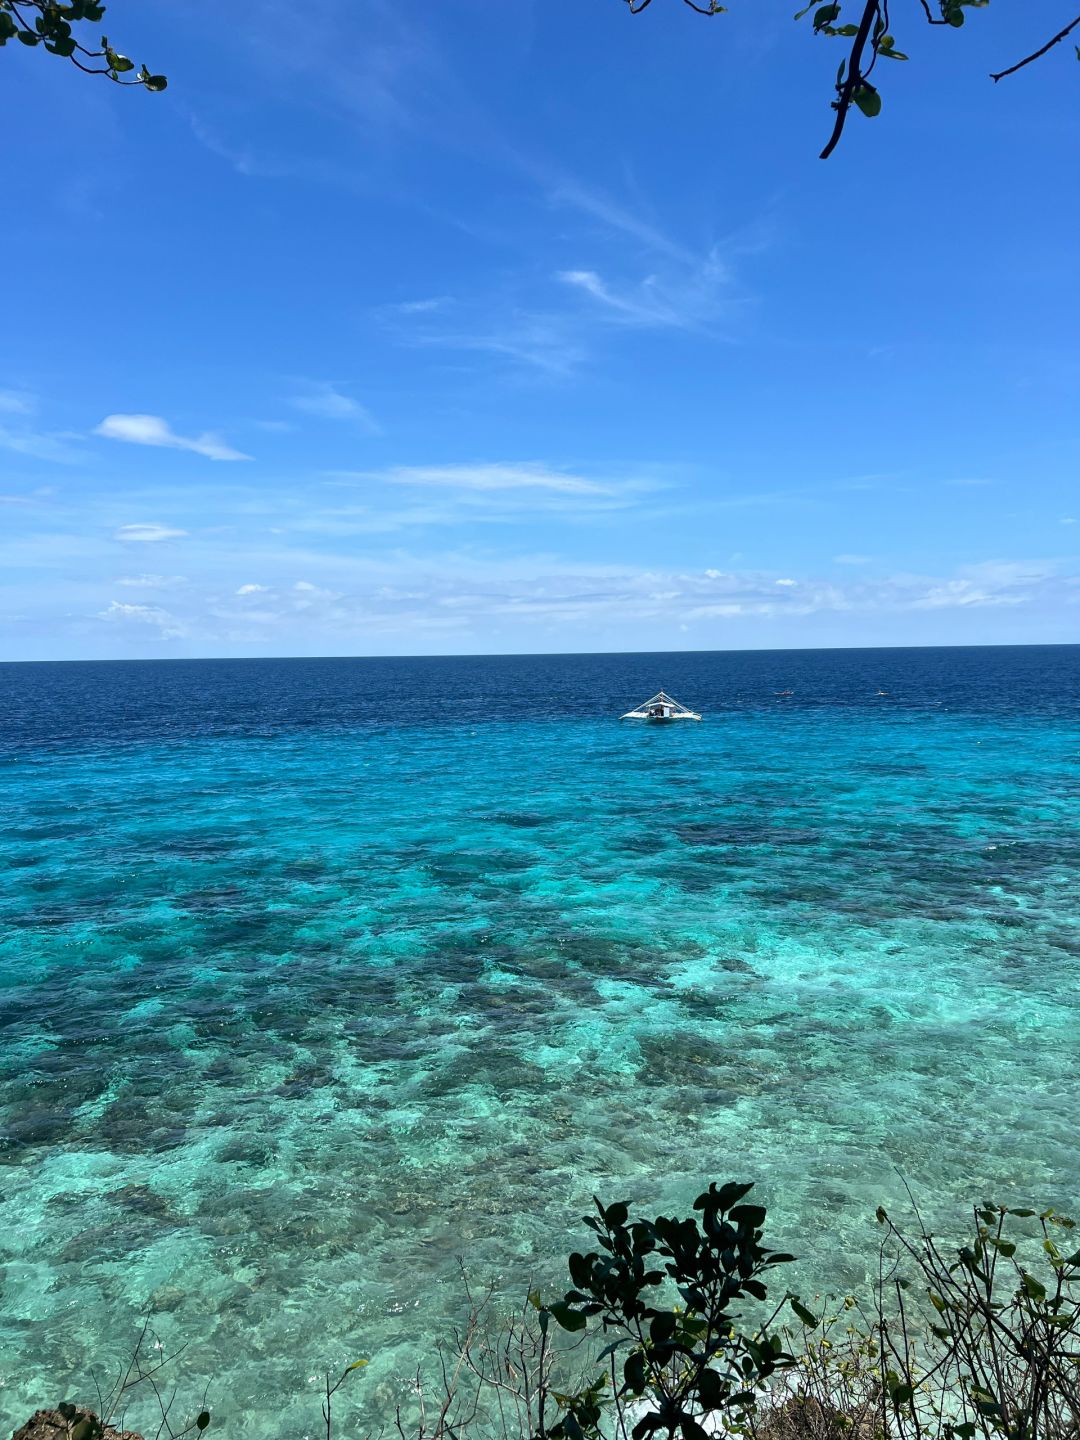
(394, 328)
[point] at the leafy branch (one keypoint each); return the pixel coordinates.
(49, 23)
(871, 40)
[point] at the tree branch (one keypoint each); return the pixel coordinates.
(1038, 54)
(854, 77)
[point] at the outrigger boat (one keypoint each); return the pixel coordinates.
(660, 709)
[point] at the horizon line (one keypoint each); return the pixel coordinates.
(541, 654)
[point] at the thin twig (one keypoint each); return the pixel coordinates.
(1037, 54)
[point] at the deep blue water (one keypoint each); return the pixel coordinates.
(316, 975)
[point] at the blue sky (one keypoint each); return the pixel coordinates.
(535, 327)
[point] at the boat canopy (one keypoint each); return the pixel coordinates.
(661, 707)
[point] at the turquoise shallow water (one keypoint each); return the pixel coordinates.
(300, 1002)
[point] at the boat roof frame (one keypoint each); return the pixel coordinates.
(679, 711)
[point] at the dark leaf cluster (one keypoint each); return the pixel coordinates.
(667, 1294)
(49, 23)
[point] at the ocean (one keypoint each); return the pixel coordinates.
(319, 977)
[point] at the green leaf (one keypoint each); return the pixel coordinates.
(28, 37)
(868, 100)
(894, 55)
(567, 1318)
(805, 1315)
(825, 15)
(356, 1365)
(115, 61)
(1034, 1289)
(204, 1419)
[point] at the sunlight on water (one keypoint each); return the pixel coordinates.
(300, 1005)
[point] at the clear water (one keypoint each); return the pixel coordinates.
(317, 975)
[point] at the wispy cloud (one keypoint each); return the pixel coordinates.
(421, 307)
(252, 589)
(152, 582)
(689, 299)
(17, 402)
(536, 340)
(600, 206)
(36, 445)
(243, 161)
(487, 478)
(167, 625)
(478, 493)
(474, 594)
(328, 403)
(147, 533)
(591, 283)
(153, 430)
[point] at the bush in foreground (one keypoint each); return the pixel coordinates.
(670, 1330)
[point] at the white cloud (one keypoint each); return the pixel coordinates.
(17, 402)
(152, 582)
(489, 478)
(328, 403)
(1068, 520)
(147, 534)
(153, 430)
(599, 206)
(686, 298)
(640, 307)
(847, 559)
(540, 341)
(787, 582)
(38, 446)
(422, 307)
(167, 625)
(480, 598)
(955, 594)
